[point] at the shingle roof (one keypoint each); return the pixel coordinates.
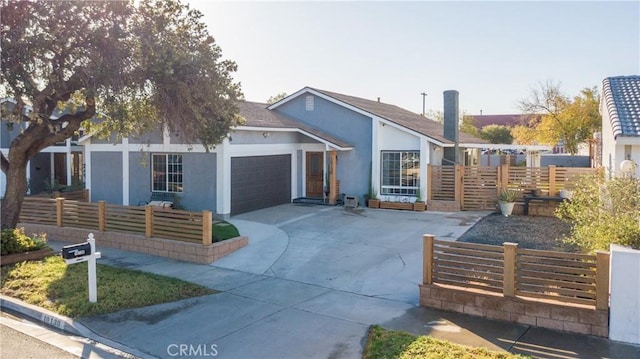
(621, 96)
(257, 115)
(400, 116)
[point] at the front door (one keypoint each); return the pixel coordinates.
(315, 166)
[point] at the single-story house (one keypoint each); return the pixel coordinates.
(312, 144)
(620, 110)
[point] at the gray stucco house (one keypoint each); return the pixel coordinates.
(309, 143)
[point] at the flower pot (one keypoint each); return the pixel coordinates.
(506, 208)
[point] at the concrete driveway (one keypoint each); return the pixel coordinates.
(375, 253)
(310, 283)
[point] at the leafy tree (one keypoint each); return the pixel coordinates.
(468, 126)
(435, 115)
(604, 212)
(571, 121)
(276, 98)
(496, 134)
(142, 66)
(524, 135)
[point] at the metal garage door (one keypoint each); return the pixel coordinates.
(260, 182)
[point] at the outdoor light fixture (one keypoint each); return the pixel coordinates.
(265, 134)
(627, 166)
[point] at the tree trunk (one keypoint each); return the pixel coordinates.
(15, 191)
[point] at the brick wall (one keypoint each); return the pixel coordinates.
(443, 206)
(184, 251)
(535, 312)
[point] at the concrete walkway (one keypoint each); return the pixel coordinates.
(309, 285)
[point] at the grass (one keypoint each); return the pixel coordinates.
(382, 343)
(223, 230)
(63, 289)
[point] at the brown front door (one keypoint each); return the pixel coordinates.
(315, 172)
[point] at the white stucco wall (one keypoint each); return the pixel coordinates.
(392, 139)
(613, 150)
(624, 313)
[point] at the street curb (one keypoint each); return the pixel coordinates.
(64, 324)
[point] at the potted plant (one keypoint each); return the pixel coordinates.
(419, 204)
(373, 201)
(506, 201)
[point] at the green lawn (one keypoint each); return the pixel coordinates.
(382, 343)
(223, 230)
(62, 288)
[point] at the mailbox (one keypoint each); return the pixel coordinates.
(76, 250)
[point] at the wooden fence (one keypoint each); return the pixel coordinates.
(512, 271)
(186, 226)
(477, 187)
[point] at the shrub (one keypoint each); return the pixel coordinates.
(603, 212)
(16, 241)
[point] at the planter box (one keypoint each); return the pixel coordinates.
(374, 203)
(396, 205)
(26, 256)
(419, 206)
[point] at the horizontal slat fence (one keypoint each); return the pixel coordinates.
(477, 187)
(480, 185)
(39, 210)
(125, 219)
(183, 224)
(172, 224)
(468, 264)
(443, 183)
(80, 215)
(569, 277)
(564, 277)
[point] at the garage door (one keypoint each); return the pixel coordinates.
(260, 182)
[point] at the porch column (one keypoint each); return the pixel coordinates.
(68, 161)
(333, 159)
(87, 167)
(425, 160)
(223, 179)
(125, 171)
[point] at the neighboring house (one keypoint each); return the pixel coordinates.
(481, 121)
(298, 147)
(620, 110)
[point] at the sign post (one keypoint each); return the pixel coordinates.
(85, 252)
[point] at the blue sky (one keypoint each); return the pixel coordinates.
(493, 53)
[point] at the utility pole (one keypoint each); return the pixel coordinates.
(424, 96)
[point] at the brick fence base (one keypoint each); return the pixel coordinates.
(184, 251)
(573, 318)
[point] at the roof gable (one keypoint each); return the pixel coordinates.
(621, 96)
(258, 115)
(394, 114)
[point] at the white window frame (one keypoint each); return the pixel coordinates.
(401, 186)
(174, 169)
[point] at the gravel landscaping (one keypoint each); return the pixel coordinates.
(533, 232)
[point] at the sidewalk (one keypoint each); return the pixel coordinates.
(310, 283)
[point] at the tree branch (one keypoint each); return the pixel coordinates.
(5, 163)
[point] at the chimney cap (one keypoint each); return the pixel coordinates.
(378, 98)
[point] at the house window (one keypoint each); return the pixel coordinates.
(167, 173)
(309, 103)
(400, 172)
